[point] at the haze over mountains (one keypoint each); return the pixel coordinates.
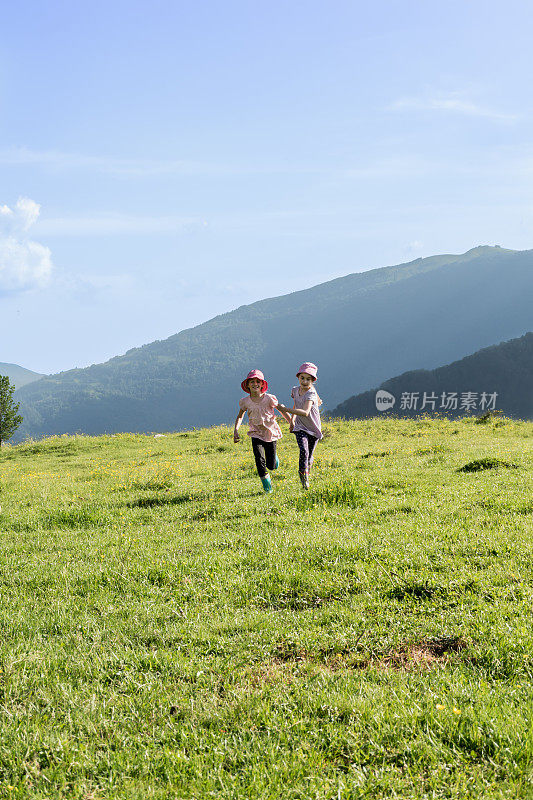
(18, 376)
(359, 329)
(466, 386)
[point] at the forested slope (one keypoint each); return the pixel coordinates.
(504, 370)
(18, 376)
(359, 329)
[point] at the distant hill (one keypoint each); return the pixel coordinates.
(498, 377)
(359, 329)
(18, 376)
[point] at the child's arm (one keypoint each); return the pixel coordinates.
(276, 406)
(238, 422)
(300, 412)
(287, 417)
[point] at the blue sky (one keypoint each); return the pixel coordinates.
(164, 162)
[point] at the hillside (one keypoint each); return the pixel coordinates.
(505, 370)
(19, 376)
(360, 329)
(169, 631)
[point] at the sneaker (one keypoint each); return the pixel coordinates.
(276, 465)
(267, 484)
(304, 480)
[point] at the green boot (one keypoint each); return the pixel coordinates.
(267, 484)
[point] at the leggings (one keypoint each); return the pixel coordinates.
(307, 444)
(265, 455)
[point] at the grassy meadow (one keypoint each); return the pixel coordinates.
(169, 631)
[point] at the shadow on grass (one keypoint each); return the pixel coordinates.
(425, 591)
(169, 500)
(497, 507)
(481, 464)
(390, 512)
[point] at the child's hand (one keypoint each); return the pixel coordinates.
(236, 437)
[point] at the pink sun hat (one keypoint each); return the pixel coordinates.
(309, 368)
(254, 373)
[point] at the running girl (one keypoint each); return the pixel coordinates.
(307, 425)
(263, 429)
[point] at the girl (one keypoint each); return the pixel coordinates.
(306, 425)
(263, 427)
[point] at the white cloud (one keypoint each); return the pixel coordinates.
(453, 102)
(24, 264)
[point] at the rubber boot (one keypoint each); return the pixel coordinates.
(304, 480)
(267, 484)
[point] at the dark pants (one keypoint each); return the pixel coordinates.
(307, 444)
(265, 455)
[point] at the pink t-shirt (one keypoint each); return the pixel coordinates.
(261, 420)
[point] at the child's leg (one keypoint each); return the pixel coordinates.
(312, 440)
(270, 452)
(303, 464)
(258, 446)
(303, 445)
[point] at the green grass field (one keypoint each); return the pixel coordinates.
(169, 631)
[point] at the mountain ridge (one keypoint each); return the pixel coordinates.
(19, 376)
(414, 315)
(430, 263)
(505, 369)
